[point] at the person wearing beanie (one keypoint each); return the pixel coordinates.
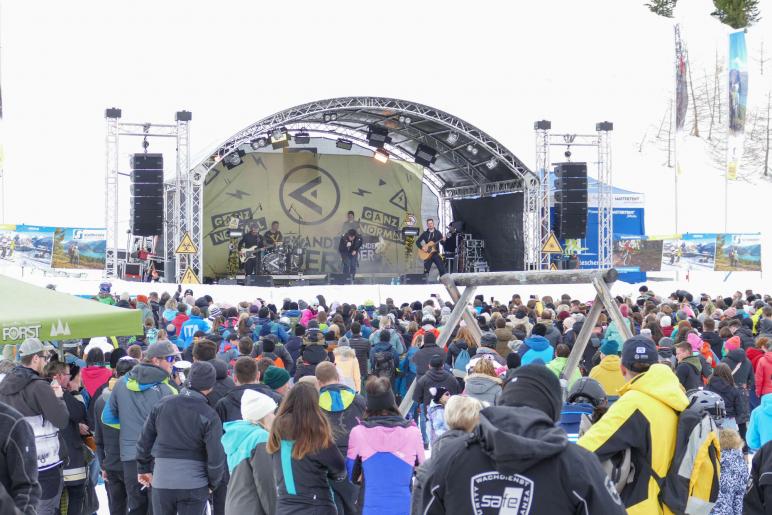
(536, 347)
(487, 349)
(667, 325)
(250, 489)
(517, 448)
(278, 379)
(644, 418)
(181, 481)
(428, 350)
(435, 377)
(609, 372)
(383, 451)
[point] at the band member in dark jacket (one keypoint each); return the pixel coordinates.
(349, 246)
(273, 237)
(249, 240)
(431, 235)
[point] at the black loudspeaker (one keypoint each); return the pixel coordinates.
(413, 279)
(147, 194)
(340, 279)
(571, 200)
(227, 282)
(259, 280)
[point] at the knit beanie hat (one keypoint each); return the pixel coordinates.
(276, 377)
(609, 348)
(733, 343)
(255, 406)
(202, 376)
(695, 341)
(665, 321)
(666, 342)
(534, 386)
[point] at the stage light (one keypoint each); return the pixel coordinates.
(425, 155)
(472, 149)
(604, 126)
(112, 112)
(452, 138)
(381, 155)
(345, 144)
(491, 163)
(280, 138)
(233, 159)
(405, 119)
(542, 125)
(329, 117)
(377, 136)
(258, 143)
(183, 116)
(302, 138)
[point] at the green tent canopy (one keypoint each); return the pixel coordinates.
(30, 311)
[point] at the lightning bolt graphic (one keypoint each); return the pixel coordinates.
(361, 192)
(238, 194)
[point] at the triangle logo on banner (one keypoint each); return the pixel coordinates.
(189, 277)
(552, 246)
(186, 246)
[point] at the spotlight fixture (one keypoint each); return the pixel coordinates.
(542, 125)
(345, 144)
(491, 163)
(604, 126)
(425, 155)
(377, 136)
(452, 138)
(233, 159)
(329, 117)
(381, 155)
(280, 138)
(405, 119)
(258, 143)
(183, 116)
(302, 137)
(112, 112)
(472, 149)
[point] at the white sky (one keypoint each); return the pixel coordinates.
(498, 65)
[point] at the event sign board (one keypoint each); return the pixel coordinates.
(53, 247)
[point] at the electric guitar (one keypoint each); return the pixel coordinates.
(248, 253)
(432, 249)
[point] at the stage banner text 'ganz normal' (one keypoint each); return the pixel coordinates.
(309, 195)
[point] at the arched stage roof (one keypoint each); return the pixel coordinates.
(467, 162)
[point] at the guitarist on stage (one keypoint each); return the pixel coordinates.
(429, 241)
(250, 240)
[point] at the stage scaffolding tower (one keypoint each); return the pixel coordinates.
(177, 195)
(601, 141)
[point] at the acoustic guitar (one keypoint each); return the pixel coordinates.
(426, 254)
(248, 253)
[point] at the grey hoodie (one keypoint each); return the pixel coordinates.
(484, 388)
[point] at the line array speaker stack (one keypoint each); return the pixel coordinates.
(571, 200)
(147, 194)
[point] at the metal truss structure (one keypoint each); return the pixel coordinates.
(177, 213)
(544, 142)
(468, 161)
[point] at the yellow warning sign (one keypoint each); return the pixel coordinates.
(189, 277)
(552, 246)
(553, 266)
(186, 246)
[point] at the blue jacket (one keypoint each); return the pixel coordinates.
(760, 425)
(189, 328)
(276, 329)
(538, 348)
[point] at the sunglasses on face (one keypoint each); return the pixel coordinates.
(172, 359)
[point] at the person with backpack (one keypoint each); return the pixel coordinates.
(517, 461)
(465, 344)
(722, 383)
(644, 418)
(270, 348)
(263, 326)
(689, 368)
(435, 378)
(384, 360)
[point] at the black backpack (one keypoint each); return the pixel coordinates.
(384, 364)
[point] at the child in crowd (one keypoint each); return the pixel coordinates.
(734, 474)
(436, 412)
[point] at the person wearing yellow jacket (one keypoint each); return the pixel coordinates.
(644, 420)
(609, 371)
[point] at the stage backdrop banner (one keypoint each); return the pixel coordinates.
(685, 252)
(309, 195)
(738, 100)
(82, 249)
(738, 253)
(498, 221)
(636, 254)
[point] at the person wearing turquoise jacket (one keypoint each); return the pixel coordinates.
(536, 347)
(252, 488)
(760, 425)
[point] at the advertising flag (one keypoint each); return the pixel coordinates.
(738, 100)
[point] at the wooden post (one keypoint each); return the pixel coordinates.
(455, 294)
(612, 308)
(583, 338)
(455, 316)
(534, 277)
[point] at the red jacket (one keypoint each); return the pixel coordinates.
(667, 331)
(180, 319)
(94, 377)
(754, 355)
(764, 375)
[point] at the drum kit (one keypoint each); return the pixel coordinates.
(283, 259)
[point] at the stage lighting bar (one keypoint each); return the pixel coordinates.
(381, 156)
(345, 144)
(280, 138)
(472, 149)
(258, 143)
(302, 138)
(329, 117)
(233, 159)
(378, 136)
(452, 138)
(425, 155)
(405, 119)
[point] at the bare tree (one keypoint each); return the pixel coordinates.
(696, 127)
